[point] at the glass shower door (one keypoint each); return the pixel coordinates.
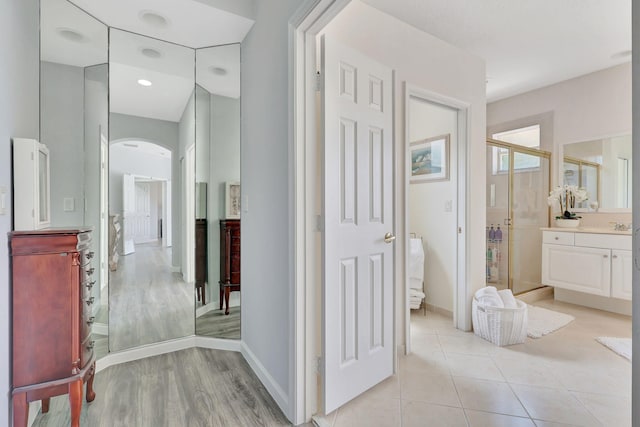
(517, 191)
(529, 213)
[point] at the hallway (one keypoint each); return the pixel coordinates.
(148, 302)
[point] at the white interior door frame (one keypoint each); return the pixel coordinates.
(304, 26)
(305, 275)
(460, 314)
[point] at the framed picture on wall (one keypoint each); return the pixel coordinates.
(232, 200)
(430, 159)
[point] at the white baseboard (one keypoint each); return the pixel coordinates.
(201, 311)
(218, 344)
(144, 351)
(100, 328)
(320, 421)
(267, 380)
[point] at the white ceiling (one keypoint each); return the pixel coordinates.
(526, 44)
(188, 22)
(172, 72)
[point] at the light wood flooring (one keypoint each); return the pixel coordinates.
(216, 324)
(194, 387)
(148, 302)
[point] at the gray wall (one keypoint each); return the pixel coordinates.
(19, 107)
(96, 117)
(267, 288)
(62, 131)
(186, 138)
(161, 132)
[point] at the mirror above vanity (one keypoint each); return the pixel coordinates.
(603, 167)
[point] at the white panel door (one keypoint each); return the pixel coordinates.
(358, 195)
(128, 211)
(142, 215)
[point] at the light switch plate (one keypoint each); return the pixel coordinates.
(69, 204)
(3, 200)
(448, 205)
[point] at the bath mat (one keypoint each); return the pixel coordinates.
(622, 346)
(542, 321)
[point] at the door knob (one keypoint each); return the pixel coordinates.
(388, 238)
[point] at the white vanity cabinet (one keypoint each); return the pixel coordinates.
(593, 263)
(621, 270)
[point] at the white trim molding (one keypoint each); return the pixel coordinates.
(267, 380)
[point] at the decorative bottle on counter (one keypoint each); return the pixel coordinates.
(498, 235)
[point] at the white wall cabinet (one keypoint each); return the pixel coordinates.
(31, 187)
(597, 264)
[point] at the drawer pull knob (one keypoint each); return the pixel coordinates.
(90, 255)
(90, 285)
(90, 271)
(91, 320)
(605, 256)
(557, 238)
(90, 345)
(614, 256)
(90, 300)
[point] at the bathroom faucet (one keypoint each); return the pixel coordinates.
(618, 226)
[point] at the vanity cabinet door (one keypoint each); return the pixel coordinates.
(576, 268)
(621, 271)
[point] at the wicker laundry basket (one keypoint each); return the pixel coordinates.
(501, 326)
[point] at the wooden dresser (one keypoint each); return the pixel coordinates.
(229, 259)
(201, 258)
(52, 348)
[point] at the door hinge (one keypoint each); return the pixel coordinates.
(319, 223)
(318, 81)
(318, 365)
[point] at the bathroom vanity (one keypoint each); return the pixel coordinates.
(589, 266)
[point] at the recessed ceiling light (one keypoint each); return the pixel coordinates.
(71, 35)
(218, 71)
(143, 82)
(153, 19)
(150, 53)
(621, 55)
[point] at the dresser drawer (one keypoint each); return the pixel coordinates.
(605, 241)
(558, 238)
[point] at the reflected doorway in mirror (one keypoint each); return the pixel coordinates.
(232, 200)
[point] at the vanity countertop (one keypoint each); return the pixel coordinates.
(594, 230)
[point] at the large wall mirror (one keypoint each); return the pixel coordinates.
(217, 191)
(151, 190)
(603, 167)
(144, 140)
(74, 127)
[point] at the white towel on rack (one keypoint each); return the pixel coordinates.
(416, 260)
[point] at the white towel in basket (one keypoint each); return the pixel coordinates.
(489, 297)
(508, 299)
(416, 259)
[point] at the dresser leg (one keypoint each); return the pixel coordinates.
(45, 405)
(221, 294)
(75, 401)
(227, 291)
(20, 410)
(90, 393)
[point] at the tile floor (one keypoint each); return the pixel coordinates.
(454, 378)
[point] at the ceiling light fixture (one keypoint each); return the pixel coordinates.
(71, 35)
(143, 82)
(150, 52)
(218, 71)
(128, 144)
(153, 19)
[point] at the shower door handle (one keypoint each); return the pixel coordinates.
(507, 221)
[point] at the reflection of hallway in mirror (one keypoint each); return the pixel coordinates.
(216, 325)
(148, 302)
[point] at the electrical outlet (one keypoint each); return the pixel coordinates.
(69, 204)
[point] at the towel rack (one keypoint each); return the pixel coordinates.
(415, 236)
